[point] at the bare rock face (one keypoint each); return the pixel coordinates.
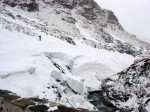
(131, 90)
(87, 8)
(112, 18)
(29, 5)
(90, 9)
(66, 3)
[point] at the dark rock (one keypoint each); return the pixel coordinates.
(30, 5)
(132, 80)
(125, 110)
(65, 3)
(62, 108)
(101, 102)
(69, 20)
(23, 103)
(142, 109)
(90, 9)
(38, 108)
(8, 96)
(12, 4)
(38, 100)
(66, 109)
(4, 92)
(112, 18)
(108, 103)
(70, 40)
(1, 109)
(9, 102)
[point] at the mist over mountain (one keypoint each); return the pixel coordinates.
(133, 15)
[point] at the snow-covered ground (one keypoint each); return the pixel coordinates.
(25, 70)
(52, 68)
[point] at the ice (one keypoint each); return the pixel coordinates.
(57, 75)
(80, 102)
(75, 83)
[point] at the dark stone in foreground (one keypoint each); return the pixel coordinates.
(10, 102)
(62, 108)
(39, 108)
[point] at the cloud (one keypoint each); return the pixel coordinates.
(133, 15)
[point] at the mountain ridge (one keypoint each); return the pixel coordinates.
(104, 18)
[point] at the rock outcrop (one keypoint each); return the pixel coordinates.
(29, 5)
(10, 102)
(131, 91)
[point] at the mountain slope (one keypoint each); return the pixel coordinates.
(99, 26)
(81, 44)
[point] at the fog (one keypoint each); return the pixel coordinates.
(133, 15)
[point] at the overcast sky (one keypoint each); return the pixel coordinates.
(133, 15)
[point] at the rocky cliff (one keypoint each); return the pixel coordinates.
(130, 91)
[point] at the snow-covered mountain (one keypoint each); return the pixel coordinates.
(62, 49)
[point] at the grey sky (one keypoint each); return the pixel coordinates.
(134, 15)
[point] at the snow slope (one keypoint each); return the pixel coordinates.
(26, 70)
(67, 62)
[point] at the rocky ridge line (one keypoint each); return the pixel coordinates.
(109, 43)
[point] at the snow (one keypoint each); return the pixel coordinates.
(16, 56)
(17, 21)
(57, 75)
(148, 107)
(52, 108)
(81, 102)
(27, 64)
(84, 32)
(76, 84)
(21, 53)
(130, 102)
(114, 36)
